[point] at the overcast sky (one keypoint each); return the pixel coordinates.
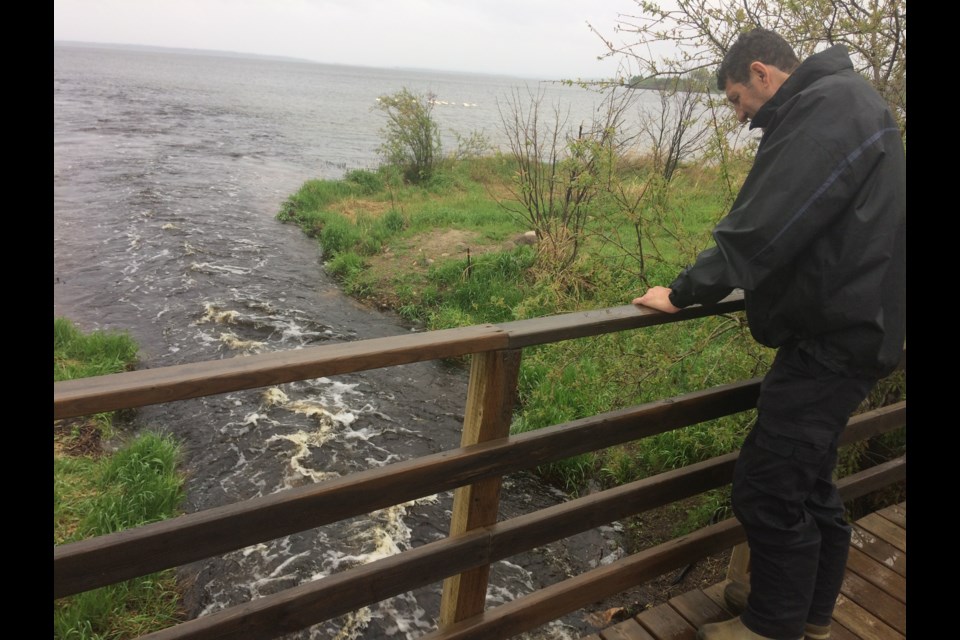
(542, 39)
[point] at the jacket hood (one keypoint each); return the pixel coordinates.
(825, 63)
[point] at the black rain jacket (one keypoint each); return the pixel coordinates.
(817, 235)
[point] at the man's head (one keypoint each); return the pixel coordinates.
(754, 69)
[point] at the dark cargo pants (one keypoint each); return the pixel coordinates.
(785, 497)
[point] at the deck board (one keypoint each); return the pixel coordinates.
(880, 550)
(871, 605)
(862, 623)
(893, 534)
(875, 600)
(626, 630)
(698, 609)
(877, 573)
(840, 632)
(896, 514)
(664, 623)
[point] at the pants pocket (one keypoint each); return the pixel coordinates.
(780, 466)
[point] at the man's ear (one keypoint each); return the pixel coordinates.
(761, 72)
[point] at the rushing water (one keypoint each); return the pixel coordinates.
(169, 168)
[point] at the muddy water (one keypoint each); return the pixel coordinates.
(169, 169)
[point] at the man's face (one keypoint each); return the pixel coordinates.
(746, 99)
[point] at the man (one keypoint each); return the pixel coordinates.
(817, 241)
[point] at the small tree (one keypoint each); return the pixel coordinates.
(676, 129)
(411, 139)
(559, 171)
(670, 39)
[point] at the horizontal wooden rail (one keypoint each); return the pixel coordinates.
(542, 606)
(344, 592)
(88, 564)
(312, 603)
(315, 602)
(582, 324)
(180, 382)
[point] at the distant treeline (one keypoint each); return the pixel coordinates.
(697, 80)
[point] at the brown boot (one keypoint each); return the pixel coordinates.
(729, 630)
(735, 596)
(816, 632)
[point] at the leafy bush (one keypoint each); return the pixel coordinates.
(338, 235)
(345, 264)
(411, 139)
(368, 181)
(394, 221)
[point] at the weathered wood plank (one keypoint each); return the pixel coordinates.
(92, 563)
(311, 603)
(664, 623)
(874, 571)
(875, 600)
(490, 400)
(626, 630)
(715, 593)
(840, 632)
(861, 622)
(525, 333)
(879, 550)
(895, 513)
(879, 526)
(698, 609)
(529, 611)
(180, 382)
(875, 422)
(883, 475)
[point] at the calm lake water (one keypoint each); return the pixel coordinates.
(169, 169)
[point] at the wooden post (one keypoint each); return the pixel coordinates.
(489, 410)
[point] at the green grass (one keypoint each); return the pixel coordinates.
(573, 379)
(96, 495)
(76, 355)
(568, 380)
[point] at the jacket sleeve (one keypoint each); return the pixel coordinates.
(799, 183)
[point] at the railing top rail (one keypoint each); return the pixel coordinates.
(180, 382)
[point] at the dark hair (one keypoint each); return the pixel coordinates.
(760, 45)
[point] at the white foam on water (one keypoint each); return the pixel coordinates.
(554, 630)
(206, 267)
(382, 534)
(274, 396)
(297, 470)
(237, 344)
(212, 313)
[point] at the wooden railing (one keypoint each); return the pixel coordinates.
(474, 470)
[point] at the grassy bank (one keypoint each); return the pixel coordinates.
(96, 493)
(450, 253)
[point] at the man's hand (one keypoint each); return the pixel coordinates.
(657, 298)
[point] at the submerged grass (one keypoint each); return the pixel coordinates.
(95, 494)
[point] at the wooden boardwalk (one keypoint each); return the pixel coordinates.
(872, 603)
